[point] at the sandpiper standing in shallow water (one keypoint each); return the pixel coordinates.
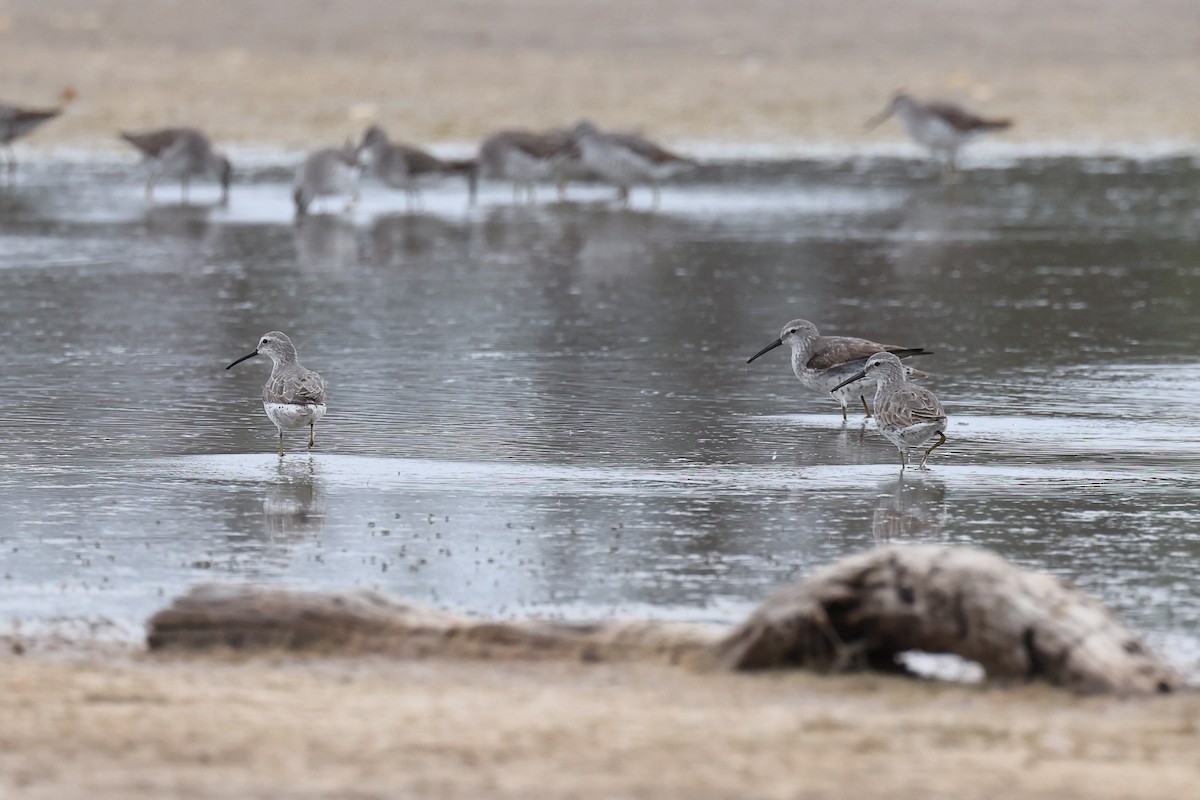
(405, 167)
(325, 173)
(909, 416)
(626, 159)
(943, 128)
(523, 157)
(181, 153)
(823, 363)
(294, 396)
(16, 121)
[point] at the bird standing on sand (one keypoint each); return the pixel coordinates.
(823, 363)
(327, 172)
(626, 159)
(403, 166)
(294, 396)
(523, 157)
(16, 121)
(943, 128)
(181, 153)
(909, 416)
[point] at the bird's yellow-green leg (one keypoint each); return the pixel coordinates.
(903, 461)
(281, 442)
(312, 435)
(866, 408)
(941, 442)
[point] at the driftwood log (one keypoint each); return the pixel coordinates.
(858, 613)
(246, 617)
(863, 611)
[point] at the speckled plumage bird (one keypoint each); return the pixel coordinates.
(909, 416)
(181, 153)
(16, 121)
(294, 396)
(823, 363)
(524, 157)
(941, 127)
(405, 167)
(328, 172)
(625, 159)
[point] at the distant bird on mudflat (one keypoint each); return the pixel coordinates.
(523, 157)
(405, 167)
(16, 121)
(943, 128)
(909, 416)
(823, 363)
(181, 153)
(328, 172)
(294, 396)
(626, 159)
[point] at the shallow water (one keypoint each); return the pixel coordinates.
(547, 409)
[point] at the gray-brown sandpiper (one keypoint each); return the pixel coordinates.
(16, 121)
(942, 128)
(181, 153)
(294, 396)
(327, 172)
(405, 167)
(524, 157)
(823, 363)
(909, 416)
(626, 159)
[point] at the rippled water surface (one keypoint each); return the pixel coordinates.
(547, 409)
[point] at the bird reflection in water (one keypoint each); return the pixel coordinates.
(182, 220)
(326, 242)
(396, 238)
(294, 503)
(910, 508)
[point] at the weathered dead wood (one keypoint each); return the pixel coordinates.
(246, 617)
(858, 613)
(862, 611)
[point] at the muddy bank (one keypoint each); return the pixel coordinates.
(294, 74)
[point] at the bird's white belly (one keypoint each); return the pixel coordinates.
(343, 180)
(179, 167)
(615, 164)
(333, 179)
(917, 435)
(409, 182)
(935, 133)
(823, 381)
(294, 415)
(519, 166)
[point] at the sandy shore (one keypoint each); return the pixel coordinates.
(294, 73)
(129, 726)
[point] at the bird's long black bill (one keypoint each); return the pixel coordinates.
(243, 358)
(766, 349)
(849, 380)
(877, 120)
